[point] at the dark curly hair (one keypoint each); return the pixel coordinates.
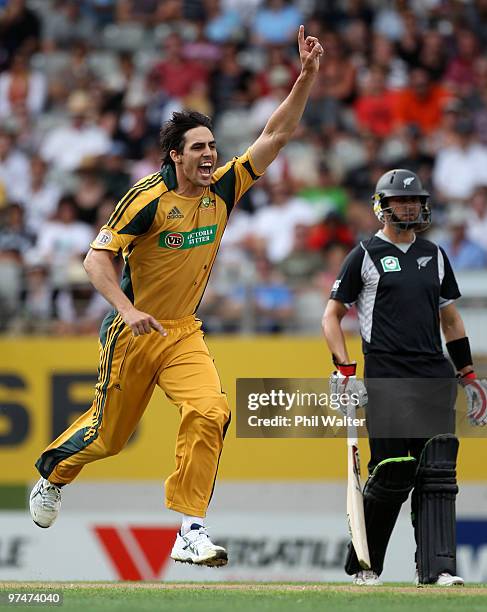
(173, 131)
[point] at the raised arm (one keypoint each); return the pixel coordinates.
(285, 119)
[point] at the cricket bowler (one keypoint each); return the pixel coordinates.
(168, 227)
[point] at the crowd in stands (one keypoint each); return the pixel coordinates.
(86, 84)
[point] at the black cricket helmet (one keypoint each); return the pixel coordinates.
(400, 183)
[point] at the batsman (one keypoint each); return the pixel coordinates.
(405, 292)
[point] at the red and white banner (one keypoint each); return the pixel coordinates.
(286, 547)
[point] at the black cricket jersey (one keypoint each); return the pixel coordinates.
(398, 290)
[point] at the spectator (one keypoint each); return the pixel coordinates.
(63, 241)
(375, 105)
(114, 171)
(271, 299)
(276, 22)
(460, 250)
(15, 239)
(133, 128)
(362, 179)
(384, 55)
(278, 68)
(66, 23)
(150, 162)
(338, 72)
(229, 81)
(21, 88)
(37, 300)
(361, 219)
(462, 166)
(199, 48)
(409, 45)
(460, 72)
(274, 225)
(445, 135)
(421, 103)
(433, 54)
(332, 229)
(176, 75)
(325, 194)
(14, 165)
(301, 264)
(388, 20)
(416, 158)
(90, 191)
(322, 112)
(477, 220)
(68, 145)
(15, 242)
(20, 27)
(222, 24)
(38, 195)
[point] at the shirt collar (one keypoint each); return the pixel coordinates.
(402, 246)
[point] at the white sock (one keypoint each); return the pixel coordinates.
(189, 520)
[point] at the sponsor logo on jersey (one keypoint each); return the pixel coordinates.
(104, 237)
(390, 264)
(407, 181)
(173, 240)
(188, 240)
(423, 262)
(175, 213)
(206, 203)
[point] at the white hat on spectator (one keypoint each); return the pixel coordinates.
(135, 98)
(78, 103)
(458, 216)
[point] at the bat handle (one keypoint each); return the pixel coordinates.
(351, 429)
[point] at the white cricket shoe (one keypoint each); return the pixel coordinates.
(196, 547)
(45, 503)
(367, 578)
(444, 579)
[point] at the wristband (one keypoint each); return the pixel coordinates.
(465, 379)
(346, 369)
(459, 351)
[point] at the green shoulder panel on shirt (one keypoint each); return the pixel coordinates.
(247, 165)
(224, 188)
(169, 176)
(142, 221)
(126, 282)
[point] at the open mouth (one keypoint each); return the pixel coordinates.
(205, 169)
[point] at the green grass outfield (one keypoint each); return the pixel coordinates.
(253, 597)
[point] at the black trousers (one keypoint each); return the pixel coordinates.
(397, 404)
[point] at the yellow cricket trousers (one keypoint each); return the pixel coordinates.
(130, 368)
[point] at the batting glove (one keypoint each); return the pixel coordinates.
(476, 390)
(344, 381)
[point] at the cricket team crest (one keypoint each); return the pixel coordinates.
(390, 264)
(206, 203)
(423, 262)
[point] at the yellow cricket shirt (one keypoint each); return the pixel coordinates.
(169, 242)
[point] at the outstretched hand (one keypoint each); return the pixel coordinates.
(310, 51)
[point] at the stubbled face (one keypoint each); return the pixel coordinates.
(197, 162)
(405, 208)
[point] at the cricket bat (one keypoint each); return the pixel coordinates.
(355, 499)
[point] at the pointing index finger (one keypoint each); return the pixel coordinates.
(301, 34)
(158, 327)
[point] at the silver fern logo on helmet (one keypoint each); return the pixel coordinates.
(408, 181)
